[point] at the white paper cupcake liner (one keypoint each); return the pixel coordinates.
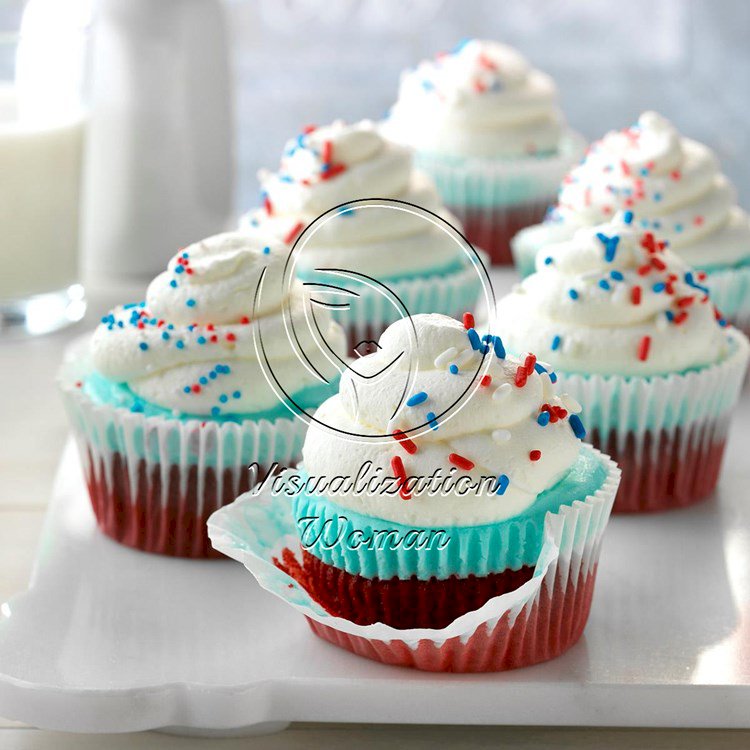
(536, 622)
(155, 481)
(666, 432)
(496, 198)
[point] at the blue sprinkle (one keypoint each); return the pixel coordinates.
(543, 418)
(644, 172)
(180, 344)
(669, 315)
(499, 348)
(165, 335)
(660, 286)
(657, 197)
(678, 227)
(572, 293)
(453, 369)
(223, 398)
(610, 245)
(548, 260)
(215, 411)
(185, 256)
(143, 346)
(212, 374)
(136, 407)
(203, 380)
(236, 394)
(539, 369)
(604, 284)
(417, 398)
(555, 343)
(432, 420)
(487, 341)
(201, 339)
(577, 426)
(502, 484)
(690, 281)
(179, 269)
(474, 339)
(616, 275)
(266, 251)
(190, 302)
(186, 389)
(553, 377)
(627, 217)
(173, 284)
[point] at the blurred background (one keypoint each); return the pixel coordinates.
(301, 61)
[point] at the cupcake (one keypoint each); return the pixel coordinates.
(443, 547)
(487, 128)
(169, 402)
(676, 190)
(634, 338)
(420, 265)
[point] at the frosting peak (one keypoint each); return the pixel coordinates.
(672, 183)
(613, 300)
(439, 399)
(190, 346)
(329, 166)
(481, 99)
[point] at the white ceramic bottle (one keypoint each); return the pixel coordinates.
(159, 161)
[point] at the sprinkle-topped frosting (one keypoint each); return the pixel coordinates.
(189, 346)
(466, 407)
(613, 300)
(481, 99)
(326, 167)
(672, 184)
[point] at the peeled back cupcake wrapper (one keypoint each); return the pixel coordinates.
(730, 292)
(154, 481)
(667, 432)
(537, 621)
(372, 312)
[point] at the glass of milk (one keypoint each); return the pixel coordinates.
(42, 130)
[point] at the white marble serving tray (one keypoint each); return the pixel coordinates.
(107, 639)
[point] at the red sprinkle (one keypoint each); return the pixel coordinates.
(327, 152)
(698, 220)
(535, 455)
(293, 232)
(485, 381)
(658, 264)
(644, 270)
(231, 337)
(635, 295)
(521, 376)
(213, 339)
(685, 301)
(244, 320)
(675, 174)
(268, 205)
(397, 466)
(625, 168)
(529, 364)
(680, 318)
(79, 384)
(643, 347)
(309, 129)
(406, 443)
(196, 388)
(460, 461)
(468, 320)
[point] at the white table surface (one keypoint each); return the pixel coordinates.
(32, 435)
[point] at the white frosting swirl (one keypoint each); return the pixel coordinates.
(673, 185)
(190, 346)
(495, 426)
(613, 300)
(328, 166)
(483, 99)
